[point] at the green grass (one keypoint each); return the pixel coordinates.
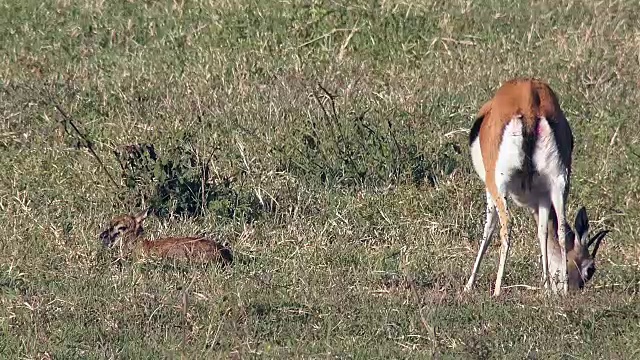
(377, 209)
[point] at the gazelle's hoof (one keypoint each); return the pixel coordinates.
(545, 283)
(470, 283)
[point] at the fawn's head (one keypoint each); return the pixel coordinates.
(124, 228)
(581, 261)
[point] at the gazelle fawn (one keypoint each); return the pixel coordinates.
(521, 147)
(126, 231)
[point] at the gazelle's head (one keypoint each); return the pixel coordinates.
(124, 229)
(581, 251)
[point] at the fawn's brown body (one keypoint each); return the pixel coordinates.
(128, 229)
(186, 248)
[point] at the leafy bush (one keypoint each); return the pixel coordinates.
(179, 182)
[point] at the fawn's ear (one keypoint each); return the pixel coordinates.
(142, 215)
(582, 227)
(104, 238)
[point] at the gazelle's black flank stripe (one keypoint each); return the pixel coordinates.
(475, 130)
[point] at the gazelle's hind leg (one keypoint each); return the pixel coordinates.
(511, 158)
(505, 238)
(489, 228)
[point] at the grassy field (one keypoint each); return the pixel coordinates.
(353, 211)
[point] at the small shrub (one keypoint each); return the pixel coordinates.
(179, 182)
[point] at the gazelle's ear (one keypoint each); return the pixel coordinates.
(596, 240)
(582, 226)
(141, 216)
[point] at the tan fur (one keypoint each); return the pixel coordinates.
(185, 248)
(127, 230)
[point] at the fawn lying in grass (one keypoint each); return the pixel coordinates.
(127, 230)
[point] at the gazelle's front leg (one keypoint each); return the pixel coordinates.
(542, 220)
(558, 198)
(489, 228)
